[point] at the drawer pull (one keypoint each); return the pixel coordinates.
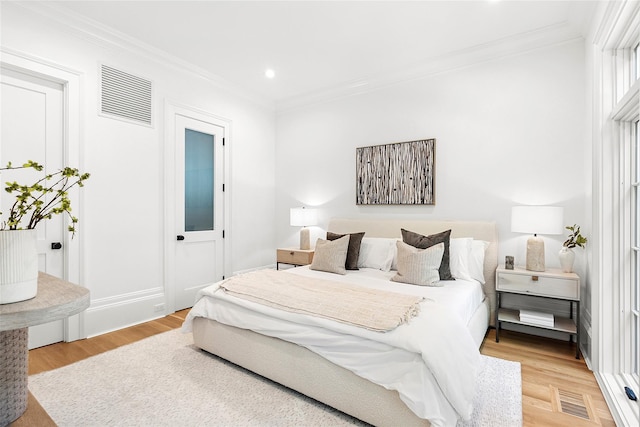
(534, 278)
(291, 253)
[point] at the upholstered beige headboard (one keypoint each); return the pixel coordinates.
(479, 230)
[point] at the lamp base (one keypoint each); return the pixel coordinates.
(305, 239)
(535, 254)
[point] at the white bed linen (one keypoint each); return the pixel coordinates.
(463, 297)
(433, 373)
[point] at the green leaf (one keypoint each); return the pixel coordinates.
(43, 199)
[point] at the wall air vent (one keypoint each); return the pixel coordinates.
(125, 96)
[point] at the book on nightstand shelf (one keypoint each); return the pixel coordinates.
(537, 318)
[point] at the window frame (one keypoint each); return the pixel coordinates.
(635, 249)
(616, 269)
(636, 56)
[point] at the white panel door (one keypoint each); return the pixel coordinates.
(199, 174)
(32, 117)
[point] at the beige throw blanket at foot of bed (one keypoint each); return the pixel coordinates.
(372, 309)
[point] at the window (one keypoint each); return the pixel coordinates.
(627, 110)
(616, 287)
(624, 120)
(635, 285)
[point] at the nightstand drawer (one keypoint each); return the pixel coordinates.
(295, 256)
(539, 285)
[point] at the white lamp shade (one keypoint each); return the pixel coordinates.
(537, 219)
(303, 217)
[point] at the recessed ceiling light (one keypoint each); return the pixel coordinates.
(269, 73)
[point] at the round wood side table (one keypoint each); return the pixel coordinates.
(56, 299)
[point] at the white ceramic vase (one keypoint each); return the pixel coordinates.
(18, 265)
(566, 259)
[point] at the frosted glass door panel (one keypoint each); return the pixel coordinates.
(199, 177)
(198, 181)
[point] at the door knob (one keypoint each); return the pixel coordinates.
(180, 237)
(56, 245)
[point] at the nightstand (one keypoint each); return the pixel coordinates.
(294, 256)
(553, 284)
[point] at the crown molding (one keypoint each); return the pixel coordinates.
(104, 36)
(558, 34)
(107, 37)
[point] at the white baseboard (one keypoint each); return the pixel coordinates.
(121, 311)
(111, 314)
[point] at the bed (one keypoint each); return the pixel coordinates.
(292, 359)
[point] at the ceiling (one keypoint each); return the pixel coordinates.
(317, 47)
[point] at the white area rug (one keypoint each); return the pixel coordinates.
(165, 381)
(498, 401)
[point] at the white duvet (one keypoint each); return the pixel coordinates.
(432, 361)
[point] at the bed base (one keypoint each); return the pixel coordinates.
(304, 371)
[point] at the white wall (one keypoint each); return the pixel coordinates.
(509, 131)
(122, 224)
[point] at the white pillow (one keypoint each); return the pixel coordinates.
(394, 262)
(377, 252)
(459, 251)
(331, 255)
(476, 260)
(419, 266)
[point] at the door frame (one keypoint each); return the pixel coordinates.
(70, 80)
(171, 110)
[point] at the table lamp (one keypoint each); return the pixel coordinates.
(536, 220)
(303, 217)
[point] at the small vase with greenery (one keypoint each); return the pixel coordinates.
(33, 204)
(566, 252)
(575, 238)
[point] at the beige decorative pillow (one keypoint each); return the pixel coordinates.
(330, 256)
(419, 266)
(423, 242)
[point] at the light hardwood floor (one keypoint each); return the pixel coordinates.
(555, 385)
(553, 381)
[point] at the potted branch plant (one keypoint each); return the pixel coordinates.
(33, 204)
(567, 256)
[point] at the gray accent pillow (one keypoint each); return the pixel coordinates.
(355, 240)
(419, 266)
(330, 256)
(422, 242)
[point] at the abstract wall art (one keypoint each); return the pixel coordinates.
(396, 174)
